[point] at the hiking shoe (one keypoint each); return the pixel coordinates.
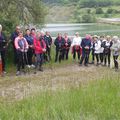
(17, 73)
(28, 66)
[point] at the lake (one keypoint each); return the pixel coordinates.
(86, 28)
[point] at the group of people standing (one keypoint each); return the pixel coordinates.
(38, 44)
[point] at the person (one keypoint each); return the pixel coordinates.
(40, 49)
(76, 48)
(67, 46)
(33, 33)
(97, 46)
(107, 43)
(42, 37)
(3, 45)
(13, 36)
(92, 50)
(30, 51)
(115, 48)
(48, 41)
(59, 43)
(101, 50)
(86, 45)
(21, 46)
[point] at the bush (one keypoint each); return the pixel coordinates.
(106, 15)
(110, 10)
(88, 18)
(99, 10)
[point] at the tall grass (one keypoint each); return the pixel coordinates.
(98, 100)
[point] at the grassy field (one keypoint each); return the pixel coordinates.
(94, 100)
(62, 92)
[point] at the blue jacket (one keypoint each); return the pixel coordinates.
(85, 42)
(29, 39)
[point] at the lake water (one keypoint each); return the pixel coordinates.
(88, 28)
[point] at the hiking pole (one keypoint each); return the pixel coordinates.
(27, 63)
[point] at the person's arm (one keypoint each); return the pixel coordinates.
(16, 44)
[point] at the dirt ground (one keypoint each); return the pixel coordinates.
(72, 76)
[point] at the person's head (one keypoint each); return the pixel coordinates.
(102, 37)
(77, 34)
(59, 35)
(47, 33)
(33, 31)
(95, 38)
(0, 28)
(66, 35)
(115, 39)
(27, 32)
(88, 37)
(17, 29)
(42, 33)
(38, 34)
(108, 38)
(20, 34)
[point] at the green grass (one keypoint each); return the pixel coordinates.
(98, 100)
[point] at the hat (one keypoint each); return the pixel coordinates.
(108, 36)
(77, 33)
(95, 36)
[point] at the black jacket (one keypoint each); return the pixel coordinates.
(3, 41)
(59, 43)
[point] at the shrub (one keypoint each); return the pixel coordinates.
(110, 10)
(99, 10)
(88, 18)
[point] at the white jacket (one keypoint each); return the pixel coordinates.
(76, 41)
(115, 48)
(98, 47)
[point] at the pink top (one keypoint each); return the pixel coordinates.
(16, 43)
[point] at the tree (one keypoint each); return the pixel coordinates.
(22, 12)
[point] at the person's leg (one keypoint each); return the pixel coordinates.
(109, 57)
(67, 52)
(105, 57)
(101, 57)
(56, 56)
(60, 55)
(82, 58)
(78, 53)
(49, 54)
(19, 63)
(74, 53)
(93, 56)
(63, 54)
(115, 61)
(97, 58)
(29, 56)
(3, 60)
(86, 58)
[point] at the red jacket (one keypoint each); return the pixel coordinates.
(39, 46)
